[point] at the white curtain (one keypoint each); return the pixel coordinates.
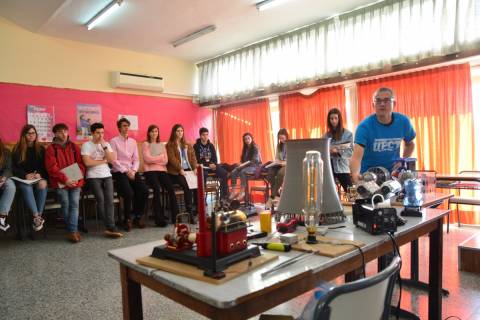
(386, 33)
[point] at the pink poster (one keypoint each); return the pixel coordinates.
(43, 118)
(87, 114)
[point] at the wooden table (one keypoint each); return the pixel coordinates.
(249, 294)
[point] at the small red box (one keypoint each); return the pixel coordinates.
(230, 240)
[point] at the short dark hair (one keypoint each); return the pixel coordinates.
(122, 120)
(95, 126)
(202, 130)
(59, 126)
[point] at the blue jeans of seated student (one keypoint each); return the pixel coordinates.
(69, 200)
(33, 196)
(7, 193)
(242, 174)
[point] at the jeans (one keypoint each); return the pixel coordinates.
(344, 179)
(157, 180)
(242, 174)
(102, 189)
(134, 194)
(221, 174)
(34, 197)
(69, 200)
(7, 193)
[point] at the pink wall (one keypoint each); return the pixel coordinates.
(164, 112)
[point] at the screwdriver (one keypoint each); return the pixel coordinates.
(274, 246)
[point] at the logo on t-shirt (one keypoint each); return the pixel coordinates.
(389, 144)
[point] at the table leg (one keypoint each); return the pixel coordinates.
(131, 296)
(435, 272)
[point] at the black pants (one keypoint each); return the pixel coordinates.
(158, 180)
(188, 194)
(344, 179)
(221, 174)
(134, 194)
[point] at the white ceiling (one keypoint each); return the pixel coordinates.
(151, 25)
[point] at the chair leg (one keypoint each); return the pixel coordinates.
(448, 222)
(458, 215)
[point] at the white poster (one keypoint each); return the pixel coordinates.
(133, 120)
(43, 119)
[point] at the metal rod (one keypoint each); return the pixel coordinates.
(287, 263)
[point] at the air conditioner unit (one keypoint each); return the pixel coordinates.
(137, 81)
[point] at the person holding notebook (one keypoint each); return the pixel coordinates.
(63, 161)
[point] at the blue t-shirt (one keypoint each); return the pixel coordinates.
(382, 142)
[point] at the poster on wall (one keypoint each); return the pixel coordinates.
(133, 120)
(87, 114)
(43, 119)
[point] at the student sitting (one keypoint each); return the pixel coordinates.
(96, 155)
(249, 162)
(28, 163)
(207, 156)
(130, 185)
(63, 153)
(7, 186)
(276, 172)
(181, 159)
(155, 161)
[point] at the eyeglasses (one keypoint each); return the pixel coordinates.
(31, 132)
(383, 101)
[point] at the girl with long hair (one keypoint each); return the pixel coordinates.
(7, 186)
(249, 161)
(276, 172)
(181, 158)
(155, 161)
(341, 147)
(28, 163)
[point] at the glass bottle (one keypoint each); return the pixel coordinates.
(313, 187)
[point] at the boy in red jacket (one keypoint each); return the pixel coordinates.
(61, 154)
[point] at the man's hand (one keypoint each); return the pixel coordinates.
(334, 151)
(356, 177)
(71, 183)
(212, 166)
(131, 174)
(42, 184)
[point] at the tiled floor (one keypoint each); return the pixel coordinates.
(53, 279)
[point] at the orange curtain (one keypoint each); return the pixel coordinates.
(236, 119)
(439, 104)
(306, 116)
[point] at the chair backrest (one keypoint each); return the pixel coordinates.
(367, 298)
(428, 178)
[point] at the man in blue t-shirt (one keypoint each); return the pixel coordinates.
(379, 136)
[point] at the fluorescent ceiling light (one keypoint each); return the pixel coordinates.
(194, 35)
(267, 4)
(103, 14)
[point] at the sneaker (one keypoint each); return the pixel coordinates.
(3, 223)
(38, 223)
(113, 233)
(128, 225)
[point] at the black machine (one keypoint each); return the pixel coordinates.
(376, 221)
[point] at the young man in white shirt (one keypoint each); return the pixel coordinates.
(96, 155)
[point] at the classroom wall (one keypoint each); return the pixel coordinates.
(163, 111)
(47, 71)
(30, 58)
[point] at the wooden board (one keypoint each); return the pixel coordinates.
(326, 246)
(193, 272)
